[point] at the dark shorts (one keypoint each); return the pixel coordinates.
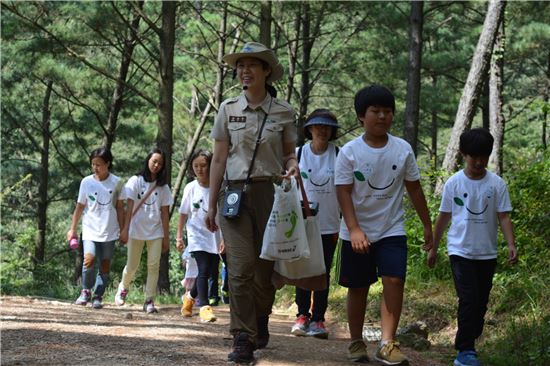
(386, 257)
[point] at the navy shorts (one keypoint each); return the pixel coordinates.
(386, 257)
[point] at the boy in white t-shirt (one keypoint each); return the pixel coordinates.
(474, 199)
(372, 172)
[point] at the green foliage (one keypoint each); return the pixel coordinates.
(523, 341)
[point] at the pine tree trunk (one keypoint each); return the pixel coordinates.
(496, 115)
(306, 61)
(472, 90)
(413, 80)
(166, 111)
(546, 107)
(117, 98)
(265, 23)
(42, 215)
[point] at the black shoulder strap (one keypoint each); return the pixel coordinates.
(337, 149)
(300, 153)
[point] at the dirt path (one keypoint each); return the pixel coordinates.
(49, 332)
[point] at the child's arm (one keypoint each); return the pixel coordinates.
(180, 245)
(165, 219)
(440, 225)
(120, 214)
(76, 218)
(127, 219)
(508, 231)
(419, 202)
(359, 240)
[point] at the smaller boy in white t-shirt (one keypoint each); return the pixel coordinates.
(475, 201)
(372, 173)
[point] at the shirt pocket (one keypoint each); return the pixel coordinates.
(273, 132)
(236, 132)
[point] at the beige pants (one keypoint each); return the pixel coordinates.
(135, 248)
(251, 293)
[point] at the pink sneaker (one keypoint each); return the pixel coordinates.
(120, 297)
(83, 298)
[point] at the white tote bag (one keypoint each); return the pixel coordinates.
(285, 233)
(307, 273)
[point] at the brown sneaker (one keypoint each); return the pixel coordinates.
(243, 349)
(390, 354)
(357, 351)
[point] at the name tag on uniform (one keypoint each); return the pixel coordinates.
(237, 119)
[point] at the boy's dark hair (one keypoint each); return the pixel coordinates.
(200, 152)
(104, 154)
(373, 95)
(146, 173)
(323, 113)
(476, 142)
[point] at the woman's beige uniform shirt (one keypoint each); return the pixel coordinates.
(239, 124)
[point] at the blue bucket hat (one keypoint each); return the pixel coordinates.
(321, 120)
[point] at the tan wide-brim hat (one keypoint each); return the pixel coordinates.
(259, 51)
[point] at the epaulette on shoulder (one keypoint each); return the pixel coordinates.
(231, 100)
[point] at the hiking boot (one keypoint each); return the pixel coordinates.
(83, 298)
(187, 306)
(466, 358)
(96, 302)
(262, 339)
(390, 354)
(149, 307)
(120, 297)
(225, 297)
(317, 330)
(357, 351)
(207, 314)
(243, 349)
(301, 326)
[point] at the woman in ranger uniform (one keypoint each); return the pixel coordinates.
(254, 140)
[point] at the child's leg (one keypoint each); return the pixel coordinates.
(391, 260)
(320, 298)
(104, 256)
(154, 251)
(213, 286)
(356, 306)
(204, 262)
(88, 267)
(225, 275)
(135, 247)
(391, 306)
(485, 273)
(467, 289)
(357, 273)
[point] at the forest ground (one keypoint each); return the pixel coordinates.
(39, 331)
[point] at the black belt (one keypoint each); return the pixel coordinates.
(252, 180)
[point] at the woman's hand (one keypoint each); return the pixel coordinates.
(210, 220)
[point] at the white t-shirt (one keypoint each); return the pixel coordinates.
(318, 176)
(146, 224)
(473, 205)
(194, 204)
(99, 222)
(378, 177)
